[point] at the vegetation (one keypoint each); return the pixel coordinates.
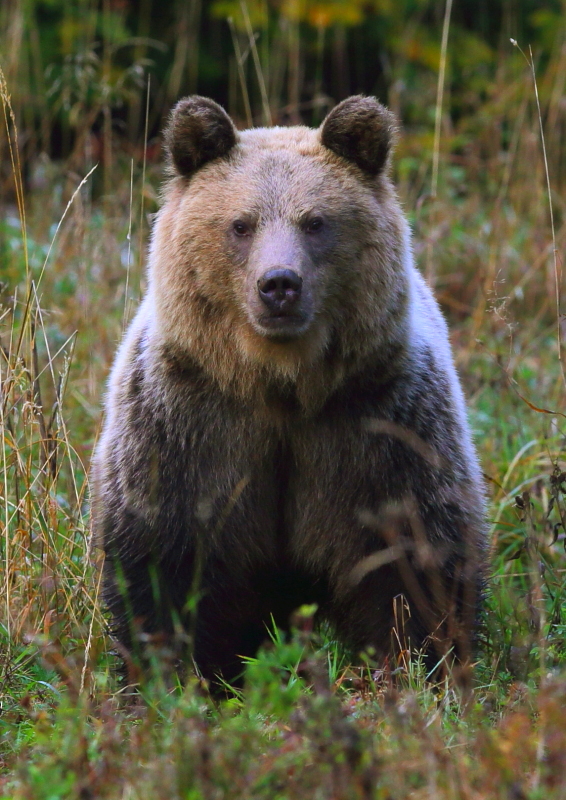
(485, 197)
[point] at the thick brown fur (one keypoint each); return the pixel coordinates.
(243, 472)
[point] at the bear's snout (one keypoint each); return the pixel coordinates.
(280, 290)
(281, 304)
(281, 283)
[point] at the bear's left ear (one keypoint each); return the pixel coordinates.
(198, 131)
(361, 130)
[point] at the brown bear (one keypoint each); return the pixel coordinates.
(284, 422)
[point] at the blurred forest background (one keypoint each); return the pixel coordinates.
(480, 89)
(81, 73)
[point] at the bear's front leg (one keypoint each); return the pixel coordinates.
(407, 595)
(179, 614)
(397, 529)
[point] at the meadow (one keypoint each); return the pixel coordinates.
(483, 188)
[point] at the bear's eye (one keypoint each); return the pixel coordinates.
(314, 225)
(240, 228)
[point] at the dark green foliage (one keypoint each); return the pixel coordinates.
(79, 71)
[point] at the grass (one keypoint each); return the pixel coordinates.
(308, 722)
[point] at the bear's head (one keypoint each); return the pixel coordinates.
(280, 253)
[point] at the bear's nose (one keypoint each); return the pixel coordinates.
(280, 289)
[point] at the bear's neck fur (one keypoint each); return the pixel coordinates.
(277, 393)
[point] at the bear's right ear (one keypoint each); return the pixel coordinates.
(361, 130)
(198, 131)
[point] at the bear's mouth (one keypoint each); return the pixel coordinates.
(283, 326)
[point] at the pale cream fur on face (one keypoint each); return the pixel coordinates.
(203, 289)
